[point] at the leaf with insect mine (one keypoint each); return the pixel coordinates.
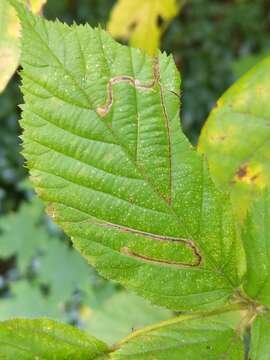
(105, 149)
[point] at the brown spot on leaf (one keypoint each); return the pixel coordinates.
(51, 211)
(220, 137)
(254, 177)
(132, 26)
(160, 21)
(249, 174)
(242, 172)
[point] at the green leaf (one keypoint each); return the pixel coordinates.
(260, 338)
(62, 278)
(120, 314)
(46, 339)
(22, 235)
(142, 21)
(256, 238)
(236, 138)
(26, 300)
(187, 339)
(103, 141)
(9, 38)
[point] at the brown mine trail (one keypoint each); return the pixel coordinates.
(186, 242)
(103, 110)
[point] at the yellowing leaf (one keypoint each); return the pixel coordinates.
(9, 39)
(36, 5)
(236, 138)
(47, 339)
(142, 21)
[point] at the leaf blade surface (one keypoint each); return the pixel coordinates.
(188, 339)
(46, 339)
(260, 338)
(256, 239)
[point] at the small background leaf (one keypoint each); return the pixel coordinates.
(27, 301)
(142, 21)
(22, 235)
(120, 315)
(9, 38)
(65, 275)
(40, 284)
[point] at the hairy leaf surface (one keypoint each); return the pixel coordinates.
(9, 38)
(236, 138)
(47, 339)
(188, 339)
(142, 21)
(256, 238)
(103, 141)
(260, 338)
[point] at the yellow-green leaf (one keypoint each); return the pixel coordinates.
(142, 21)
(9, 38)
(47, 339)
(36, 5)
(185, 337)
(236, 138)
(256, 239)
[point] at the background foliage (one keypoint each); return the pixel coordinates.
(212, 42)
